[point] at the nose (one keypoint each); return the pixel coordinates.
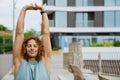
(32, 47)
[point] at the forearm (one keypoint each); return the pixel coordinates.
(45, 24)
(45, 32)
(46, 35)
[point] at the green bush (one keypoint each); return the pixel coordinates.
(116, 43)
(103, 44)
(5, 43)
(107, 44)
(55, 49)
(29, 33)
(95, 45)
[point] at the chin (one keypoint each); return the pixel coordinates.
(32, 56)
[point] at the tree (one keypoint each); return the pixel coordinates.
(3, 28)
(29, 33)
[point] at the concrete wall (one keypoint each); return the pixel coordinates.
(112, 53)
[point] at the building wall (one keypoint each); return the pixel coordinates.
(64, 19)
(99, 19)
(99, 2)
(71, 19)
(71, 15)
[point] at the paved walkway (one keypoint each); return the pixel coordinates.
(57, 71)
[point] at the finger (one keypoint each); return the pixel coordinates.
(36, 5)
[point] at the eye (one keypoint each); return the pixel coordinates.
(35, 46)
(28, 45)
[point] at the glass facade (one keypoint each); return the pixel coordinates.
(112, 2)
(79, 20)
(60, 19)
(112, 18)
(109, 19)
(60, 2)
(117, 19)
(84, 3)
(85, 19)
(86, 41)
(117, 2)
(109, 2)
(81, 2)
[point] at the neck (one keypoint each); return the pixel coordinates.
(32, 59)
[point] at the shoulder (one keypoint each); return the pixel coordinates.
(17, 65)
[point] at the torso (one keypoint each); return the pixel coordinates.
(32, 71)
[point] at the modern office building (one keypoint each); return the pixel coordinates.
(87, 21)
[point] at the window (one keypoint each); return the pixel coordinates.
(79, 2)
(85, 19)
(60, 2)
(51, 2)
(117, 2)
(79, 20)
(109, 19)
(84, 2)
(61, 19)
(51, 19)
(117, 18)
(109, 2)
(90, 19)
(90, 2)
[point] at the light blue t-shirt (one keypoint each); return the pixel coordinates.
(32, 71)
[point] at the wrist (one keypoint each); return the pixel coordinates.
(25, 8)
(42, 12)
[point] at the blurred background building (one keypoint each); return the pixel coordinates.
(96, 23)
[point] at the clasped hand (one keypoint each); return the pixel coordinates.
(33, 7)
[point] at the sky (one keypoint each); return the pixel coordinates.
(32, 19)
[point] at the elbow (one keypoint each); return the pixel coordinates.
(19, 32)
(46, 32)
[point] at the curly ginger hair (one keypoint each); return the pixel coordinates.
(40, 48)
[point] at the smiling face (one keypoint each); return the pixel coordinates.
(32, 48)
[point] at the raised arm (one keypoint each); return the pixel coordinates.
(45, 33)
(19, 37)
(46, 38)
